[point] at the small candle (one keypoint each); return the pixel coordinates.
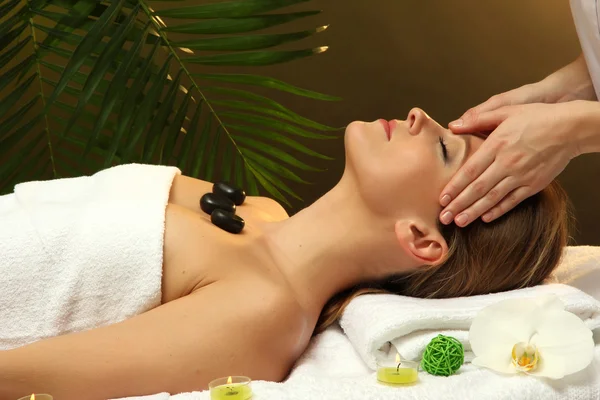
(398, 372)
(34, 396)
(232, 388)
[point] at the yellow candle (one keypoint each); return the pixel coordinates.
(398, 372)
(37, 397)
(231, 388)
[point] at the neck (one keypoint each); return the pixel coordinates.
(332, 245)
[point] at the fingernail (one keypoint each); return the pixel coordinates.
(486, 217)
(457, 123)
(462, 219)
(445, 200)
(446, 217)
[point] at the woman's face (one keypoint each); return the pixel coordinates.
(400, 168)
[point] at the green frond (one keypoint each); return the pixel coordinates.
(272, 179)
(277, 137)
(213, 150)
(14, 96)
(229, 9)
(273, 152)
(271, 165)
(11, 36)
(116, 89)
(100, 69)
(10, 76)
(85, 48)
(12, 52)
(12, 21)
(254, 58)
(266, 183)
(187, 143)
(240, 43)
(162, 114)
(175, 129)
(273, 124)
(284, 115)
(264, 81)
(201, 149)
(13, 120)
(220, 26)
(272, 103)
(95, 83)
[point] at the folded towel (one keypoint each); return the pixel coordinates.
(330, 370)
(580, 268)
(80, 253)
(380, 324)
(329, 355)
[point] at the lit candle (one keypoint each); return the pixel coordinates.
(398, 373)
(232, 388)
(37, 397)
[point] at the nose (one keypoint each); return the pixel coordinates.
(416, 120)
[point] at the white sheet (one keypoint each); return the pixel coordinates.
(332, 370)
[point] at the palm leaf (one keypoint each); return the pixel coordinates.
(94, 83)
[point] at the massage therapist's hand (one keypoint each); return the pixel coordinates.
(529, 146)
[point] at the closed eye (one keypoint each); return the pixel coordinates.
(444, 149)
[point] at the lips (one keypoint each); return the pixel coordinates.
(386, 126)
(392, 125)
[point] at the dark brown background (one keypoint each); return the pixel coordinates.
(387, 56)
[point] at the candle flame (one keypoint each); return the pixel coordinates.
(32, 396)
(228, 380)
(397, 357)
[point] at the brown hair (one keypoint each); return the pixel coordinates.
(518, 250)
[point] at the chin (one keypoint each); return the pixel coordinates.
(354, 142)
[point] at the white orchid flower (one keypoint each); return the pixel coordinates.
(534, 336)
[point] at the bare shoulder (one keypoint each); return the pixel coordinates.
(282, 320)
(269, 206)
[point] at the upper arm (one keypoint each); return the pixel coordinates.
(177, 347)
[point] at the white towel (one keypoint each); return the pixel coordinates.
(374, 321)
(580, 268)
(330, 369)
(80, 253)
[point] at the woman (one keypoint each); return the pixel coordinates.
(248, 304)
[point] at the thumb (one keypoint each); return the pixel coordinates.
(473, 121)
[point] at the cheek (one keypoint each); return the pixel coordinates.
(418, 182)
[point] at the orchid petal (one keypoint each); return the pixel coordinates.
(497, 361)
(565, 344)
(549, 366)
(497, 328)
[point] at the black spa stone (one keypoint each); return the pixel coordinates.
(212, 201)
(233, 193)
(227, 221)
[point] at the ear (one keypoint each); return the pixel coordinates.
(421, 241)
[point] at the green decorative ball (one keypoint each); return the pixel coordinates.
(443, 356)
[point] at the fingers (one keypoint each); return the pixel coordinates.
(477, 121)
(494, 194)
(508, 203)
(461, 125)
(470, 171)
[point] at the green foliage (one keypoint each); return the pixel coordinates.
(88, 84)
